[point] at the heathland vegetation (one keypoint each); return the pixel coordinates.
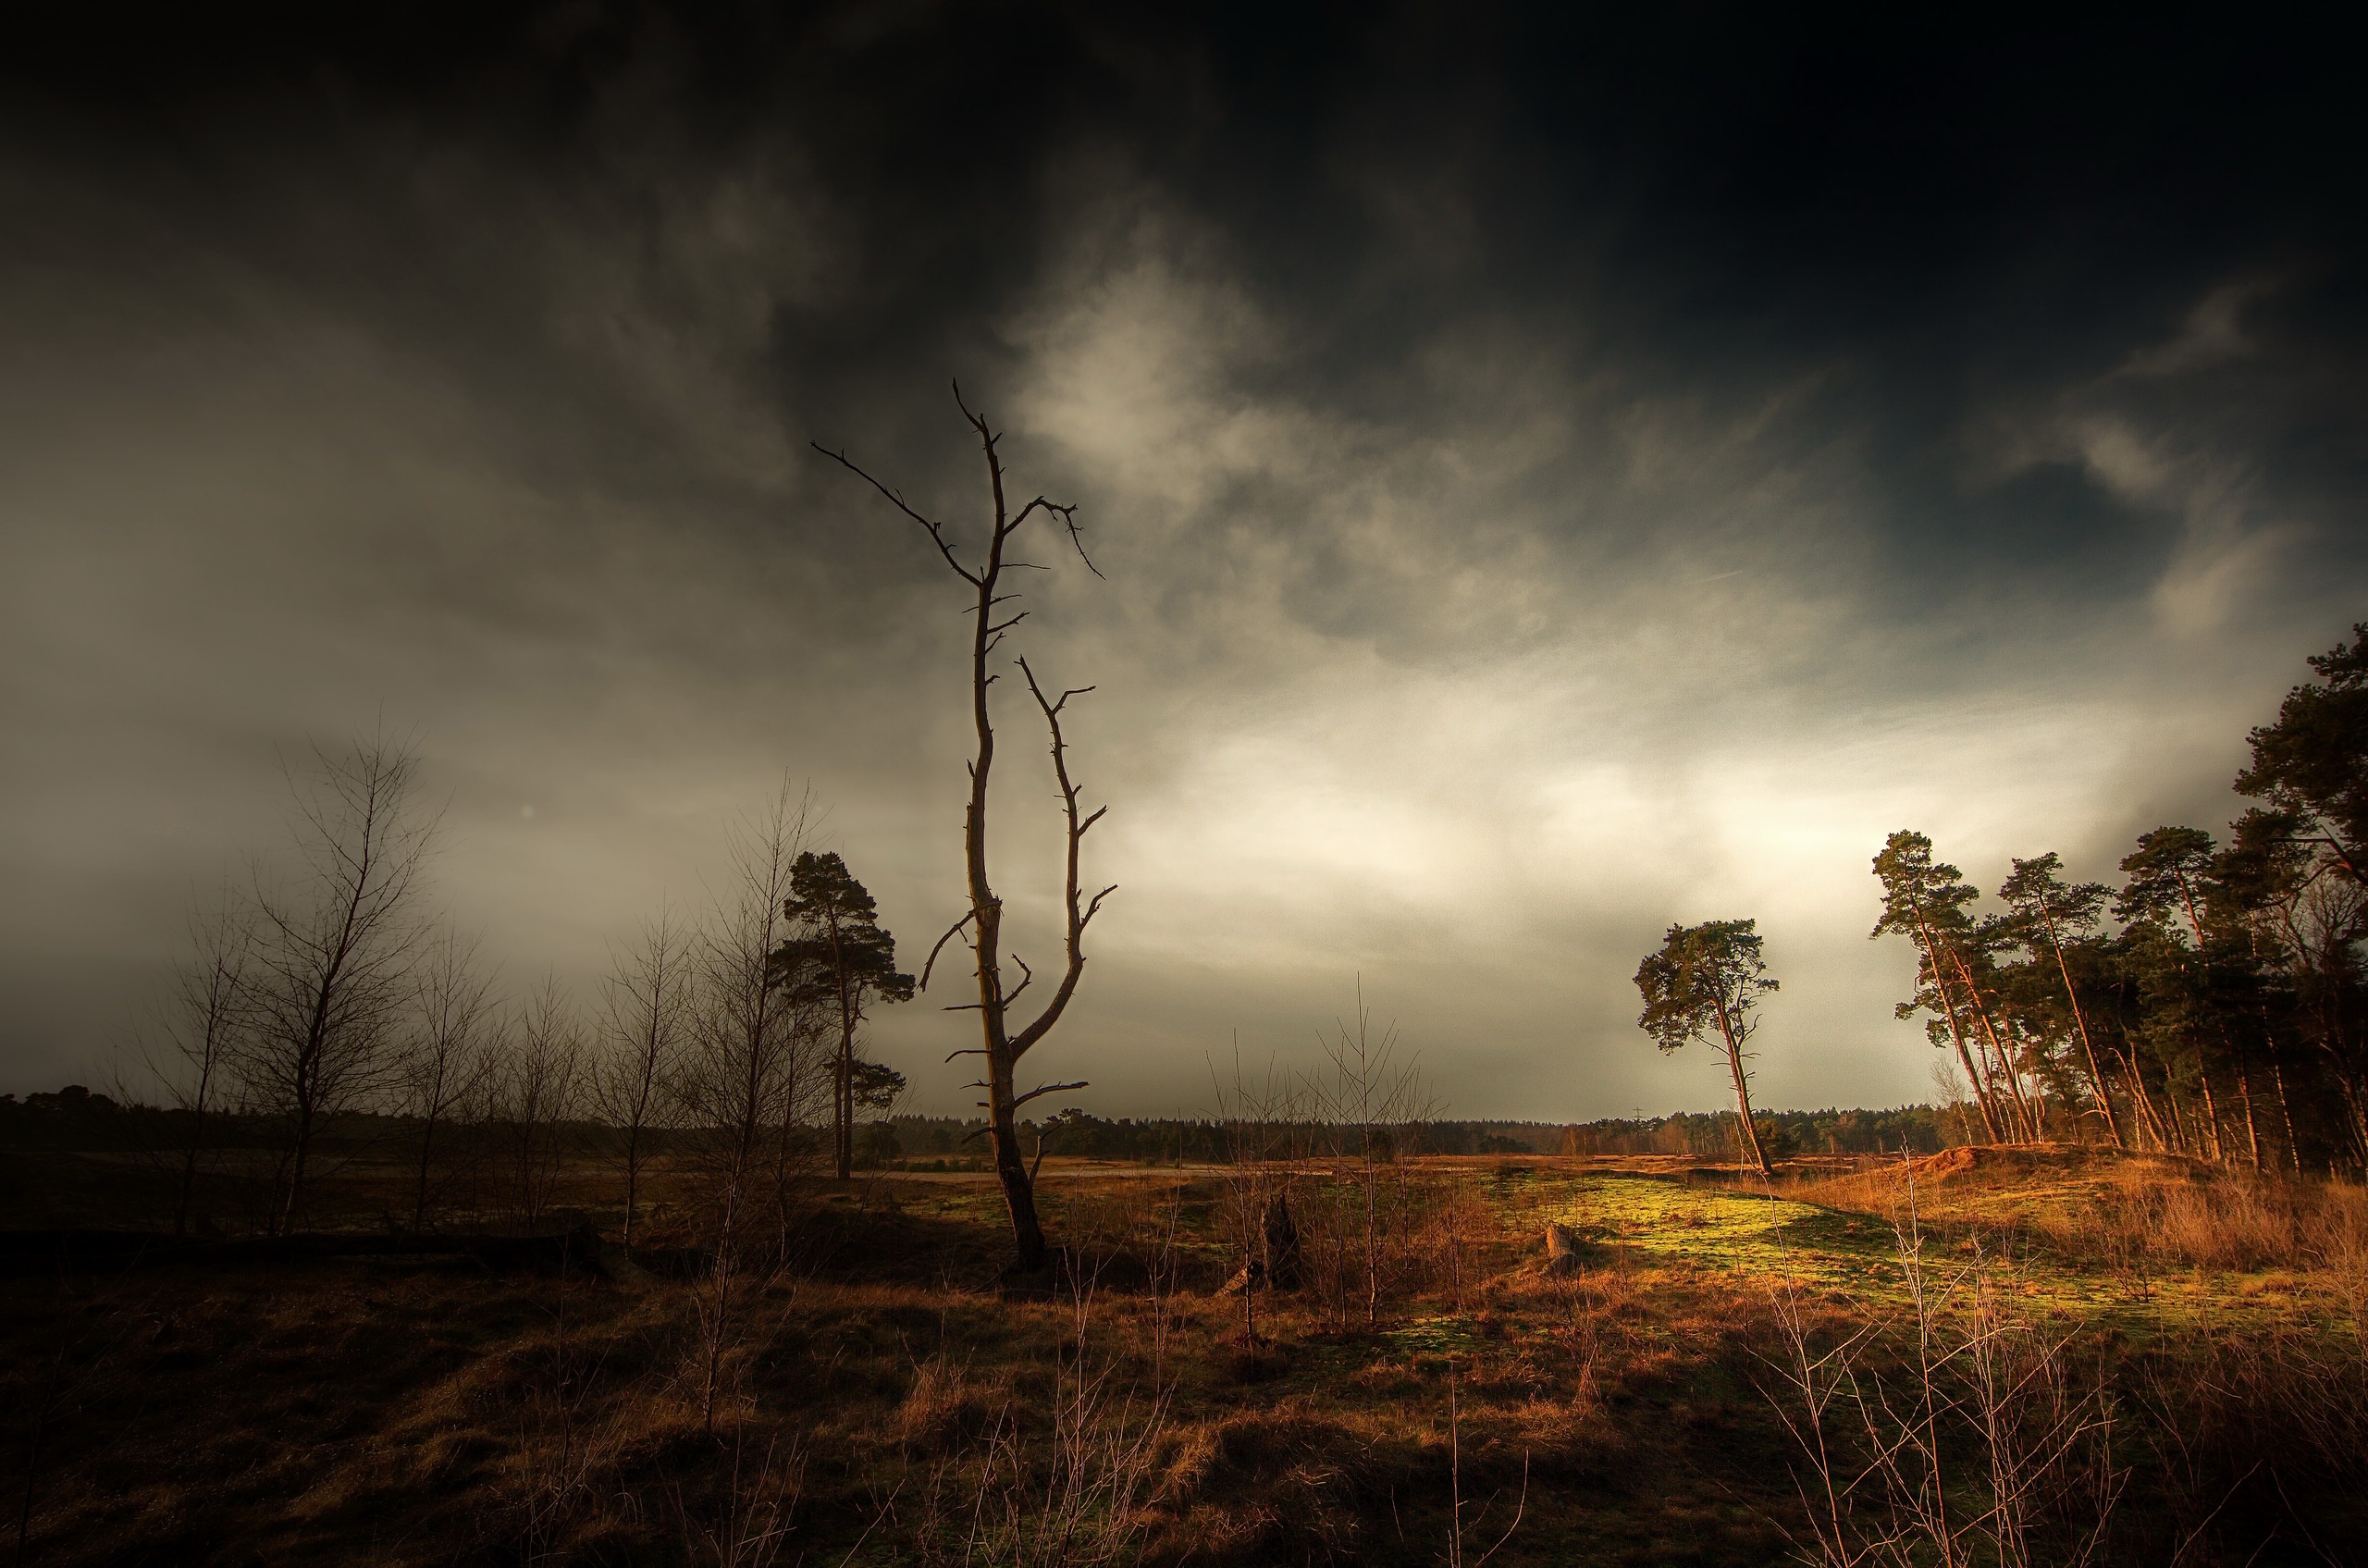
(364, 1260)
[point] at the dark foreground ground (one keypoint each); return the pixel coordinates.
(2124, 1357)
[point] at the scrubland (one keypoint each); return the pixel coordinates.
(2037, 1355)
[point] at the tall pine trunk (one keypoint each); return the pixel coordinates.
(1750, 1136)
(1957, 1034)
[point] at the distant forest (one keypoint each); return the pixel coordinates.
(75, 1117)
(1711, 1135)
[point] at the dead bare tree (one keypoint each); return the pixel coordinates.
(537, 1084)
(981, 928)
(1260, 1123)
(1365, 1105)
(332, 970)
(203, 1019)
(450, 1054)
(753, 1079)
(646, 1018)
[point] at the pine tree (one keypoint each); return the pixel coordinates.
(1705, 984)
(2046, 914)
(2188, 969)
(839, 956)
(2313, 764)
(1925, 902)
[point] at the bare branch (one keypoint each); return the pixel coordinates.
(941, 941)
(1067, 515)
(976, 423)
(936, 532)
(1077, 916)
(1048, 1088)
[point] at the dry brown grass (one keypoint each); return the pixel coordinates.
(890, 1398)
(2122, 1208)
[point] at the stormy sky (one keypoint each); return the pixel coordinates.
(1559, 471)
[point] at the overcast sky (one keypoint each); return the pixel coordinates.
(1556, 474)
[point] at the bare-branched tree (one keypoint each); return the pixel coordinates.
(753, 1081)
(1001, 1045)
(445, 1068)
(646, 1021)
(1369, 1104)
(202, 1018)
(537, 1087)
(330, 975)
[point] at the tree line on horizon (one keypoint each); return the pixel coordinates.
(1077, 1133)
(76, 1116)
(327, 1013)
(2212, 1003)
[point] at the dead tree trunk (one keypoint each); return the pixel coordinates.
(982, 927)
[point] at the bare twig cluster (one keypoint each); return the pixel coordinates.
(1959, 1432)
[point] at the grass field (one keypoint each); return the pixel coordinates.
(2192, 1348)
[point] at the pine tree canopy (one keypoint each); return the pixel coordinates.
(1918, 894)
(2169, 875)
(2041, 899)
(1699, 973)
(839, 941)
(2312, 763)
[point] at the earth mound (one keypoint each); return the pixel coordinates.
(2014, 1161)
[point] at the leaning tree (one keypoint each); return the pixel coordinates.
(1002, 1044)
(1925, 902)
(2043, 911)
(1705, 984)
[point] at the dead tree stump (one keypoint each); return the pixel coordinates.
(1562, 1249)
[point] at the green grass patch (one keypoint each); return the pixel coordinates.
(1765, 1238)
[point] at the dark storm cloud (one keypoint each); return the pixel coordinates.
(1559, 471)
